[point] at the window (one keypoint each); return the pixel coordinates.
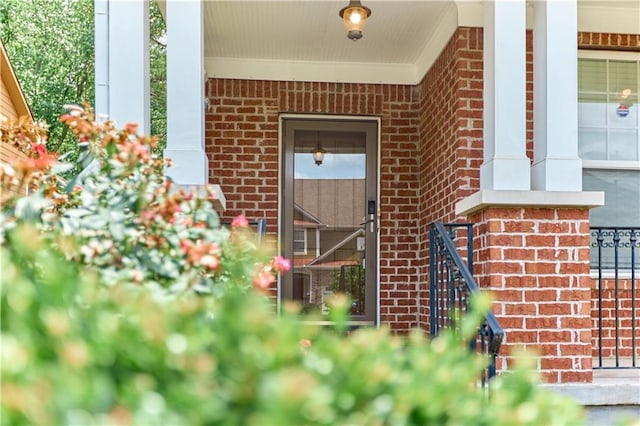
(300, 241)
(609, 134)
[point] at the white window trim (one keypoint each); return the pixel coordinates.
(611, 164)
(609, 54)
(304, 233)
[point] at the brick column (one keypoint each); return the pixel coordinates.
(536, 263)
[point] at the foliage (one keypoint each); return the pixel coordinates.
(50, 44)
(29, 139)
(129, 220)
(158, 75)
(51, 47)
(99, 325)
(124, 356)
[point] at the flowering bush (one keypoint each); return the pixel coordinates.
(129, 220)
(31, 169)
(96, 327)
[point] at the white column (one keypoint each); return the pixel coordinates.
(128, 63)
(556, 166)
(505, 166)
(185, 93)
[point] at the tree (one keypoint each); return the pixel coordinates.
(51, 46)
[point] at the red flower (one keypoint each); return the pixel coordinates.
(39, 149)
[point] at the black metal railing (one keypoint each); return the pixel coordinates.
(615, 264)
(451, 284)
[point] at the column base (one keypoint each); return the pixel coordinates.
(506, 174)
(190, 166)
(557, 174)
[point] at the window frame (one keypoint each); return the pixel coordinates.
(304, 241)
(612, 55)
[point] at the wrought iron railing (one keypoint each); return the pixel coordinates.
(451, 284)
(615, 265)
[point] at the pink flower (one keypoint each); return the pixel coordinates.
(148, 215)
(263, 280)
(240, 221)
(281, 264)
(186, 245)
(131, 128)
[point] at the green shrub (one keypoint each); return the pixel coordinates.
(75, 351)
(95, 330)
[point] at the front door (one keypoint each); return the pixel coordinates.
(329, 213)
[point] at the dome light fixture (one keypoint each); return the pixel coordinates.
(354, 16)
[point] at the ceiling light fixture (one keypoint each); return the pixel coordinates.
(354, 16)
(318, 154)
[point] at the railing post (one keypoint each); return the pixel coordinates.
(616, 246)
(447, 269)
(633, 239)
(432, 281)
(599, 240)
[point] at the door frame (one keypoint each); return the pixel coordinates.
(281, 187)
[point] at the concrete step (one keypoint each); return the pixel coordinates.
(613, 396)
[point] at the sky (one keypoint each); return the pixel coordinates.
(334, 166)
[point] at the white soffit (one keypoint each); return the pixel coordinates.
(618, 17)
(304, 40)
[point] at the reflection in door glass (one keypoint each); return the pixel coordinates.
(329, 216)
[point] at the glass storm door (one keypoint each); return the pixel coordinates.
(329, 214)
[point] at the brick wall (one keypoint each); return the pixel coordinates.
(450, 138)
(242, 146)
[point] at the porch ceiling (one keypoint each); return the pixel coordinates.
(305, 39)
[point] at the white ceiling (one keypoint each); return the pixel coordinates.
(396, 32)
(306, 40)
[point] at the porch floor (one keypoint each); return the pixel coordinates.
(622, 376)
(612, 397)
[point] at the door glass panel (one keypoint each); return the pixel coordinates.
(329, 202)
